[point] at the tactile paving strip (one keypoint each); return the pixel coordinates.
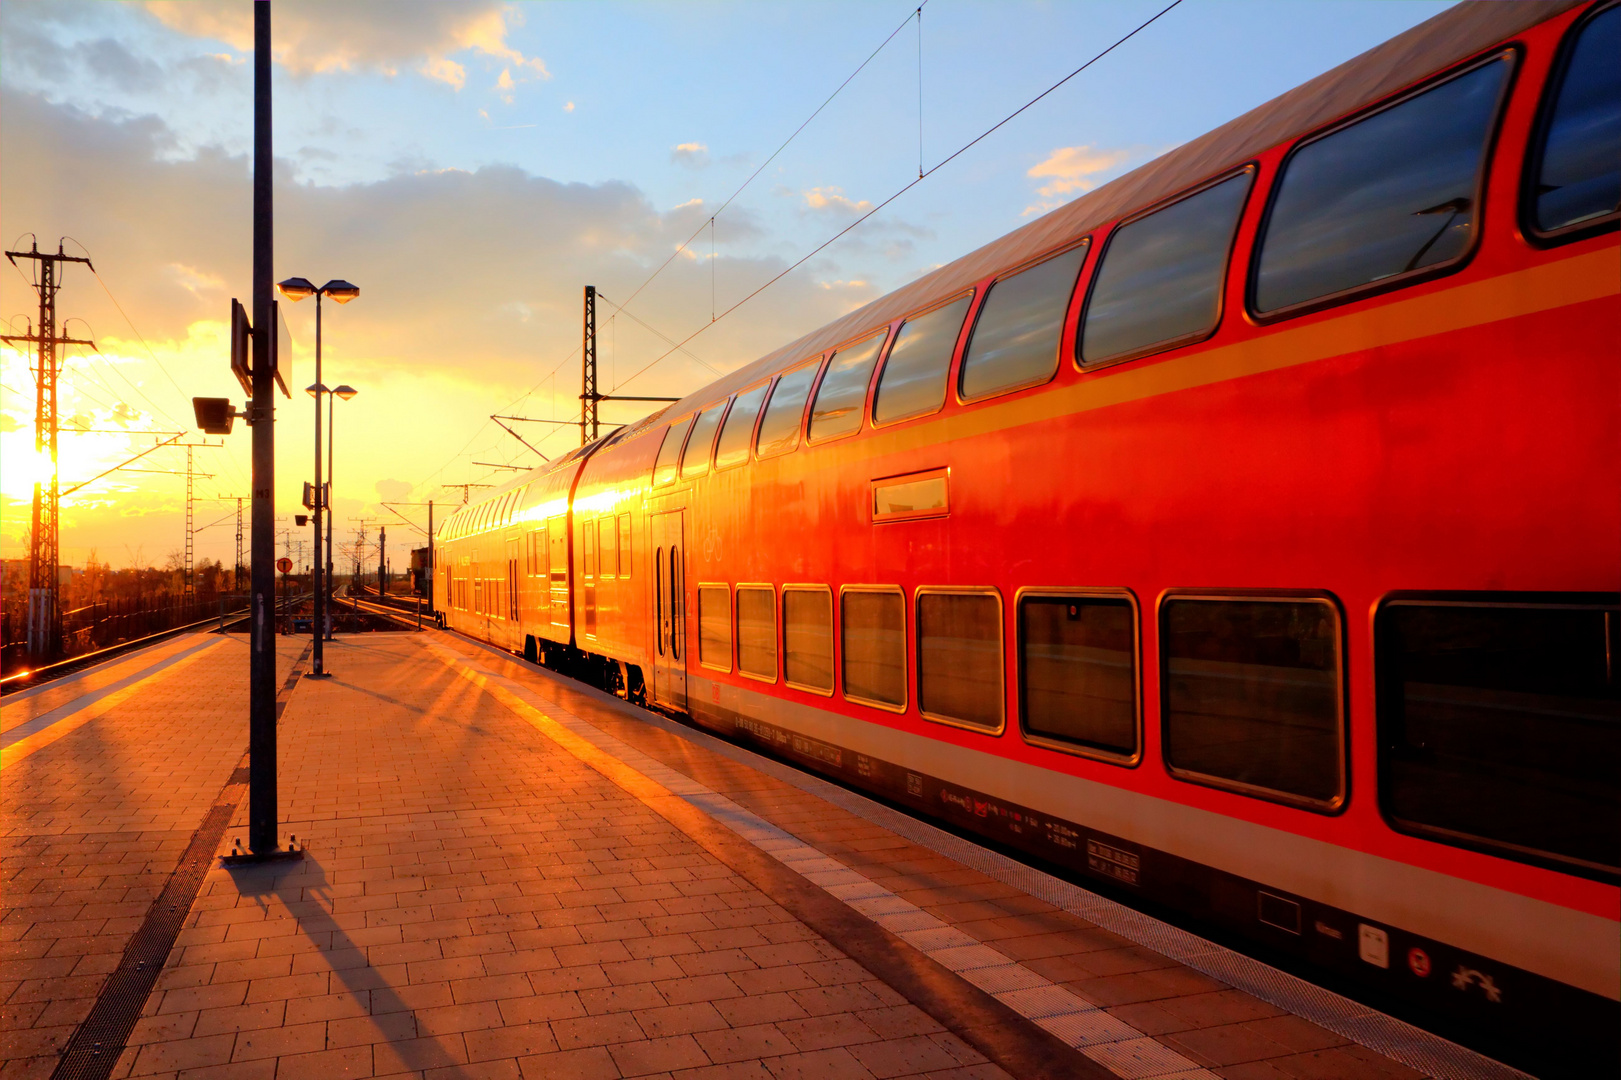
(1112, 1043)
(1402, 1042)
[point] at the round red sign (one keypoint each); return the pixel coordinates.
(284, 565)
(1419, 961)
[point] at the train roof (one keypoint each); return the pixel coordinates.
(1453, 35)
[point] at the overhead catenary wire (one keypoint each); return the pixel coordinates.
(964, 148)
(774, 155)
(666, 338)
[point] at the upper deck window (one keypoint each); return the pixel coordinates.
(1578, 171)
(1500, 725)
(733, 448)
(1015, 338)
(843, 393)
(913, 382)
(779, 428)
(1392, 194)
(695, 458)
(1160, 280)
(664, 468)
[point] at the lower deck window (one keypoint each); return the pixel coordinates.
(1251, 696)
(807, 637)
(757, 631)
(1500, 725)
(872, 629)
(1078, 671)
(959, 658)
(715, 626)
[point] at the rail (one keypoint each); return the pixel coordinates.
(22, 680)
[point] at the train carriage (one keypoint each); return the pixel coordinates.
(1243, 537)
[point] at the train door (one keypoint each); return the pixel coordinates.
(512, 581)
(669, 610)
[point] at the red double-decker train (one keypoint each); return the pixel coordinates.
(1243, 537)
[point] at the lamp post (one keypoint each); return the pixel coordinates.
(345, 392)
(295, 289)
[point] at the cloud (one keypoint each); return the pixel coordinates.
(445, 70)
(393, 490)
(694, 155)
(568, 106)
(832, 199)
(364, 35)
(505, 86)
(471, 282)
(1071, 170)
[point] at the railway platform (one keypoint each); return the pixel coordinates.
(508, 875)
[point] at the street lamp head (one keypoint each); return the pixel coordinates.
(340, 290)
(315, 390)
(295, 288)
(346, 391)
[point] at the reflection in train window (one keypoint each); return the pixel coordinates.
(913, 381)
(1159, 282)
(1391, 194)
(1579, 170)
(715, 627)
(807, 637)
(1015, 337)
(1078, 671)
(624, 545)
(757, 631)
(733, 448)
(843, 393)
(664, 468)
(959, 658)
(1251, 696)
(872, 636)
(695, 458)
(1500, 724)
(779, 428)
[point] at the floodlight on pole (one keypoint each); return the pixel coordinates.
(340, 290)
(295, 288)
(346, 391)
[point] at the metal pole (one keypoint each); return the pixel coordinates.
(432, 566)
(588, 369)
(331, 440)
(262, 817)
(318, 624)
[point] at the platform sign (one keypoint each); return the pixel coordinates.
(241, 346)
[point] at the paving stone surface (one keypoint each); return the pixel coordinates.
(93, 824)
(476, 901)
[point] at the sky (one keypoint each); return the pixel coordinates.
(471, 165)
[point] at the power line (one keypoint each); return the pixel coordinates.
(130, 322)
(774, 154)
(660, 334)
(908, 187)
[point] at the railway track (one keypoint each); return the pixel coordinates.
(26, 680)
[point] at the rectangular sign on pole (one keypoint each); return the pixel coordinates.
(241, 343)
(281, 350)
